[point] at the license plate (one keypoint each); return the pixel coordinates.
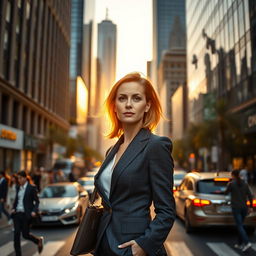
(49, 218)
(224, 208)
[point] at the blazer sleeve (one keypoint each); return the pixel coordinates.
(161, 182)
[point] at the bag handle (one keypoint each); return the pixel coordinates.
(93, 196)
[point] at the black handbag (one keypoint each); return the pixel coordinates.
(86, 236)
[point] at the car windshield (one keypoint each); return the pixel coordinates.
(59, 191)
(86, 182)
(211, 186)
(178, 176)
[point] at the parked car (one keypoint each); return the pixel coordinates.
(200, 201)
(62, 203)
(87, 183)
(178, 175)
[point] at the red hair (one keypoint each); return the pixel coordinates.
(151, 118)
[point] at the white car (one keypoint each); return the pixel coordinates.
(87, 183)
(62, 203)
(178, 175)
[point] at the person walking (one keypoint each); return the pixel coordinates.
(137, 171)
(25, 208)
(240, 192)
(13, 184)
(3, 195)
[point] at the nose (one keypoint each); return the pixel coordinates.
(128, 103)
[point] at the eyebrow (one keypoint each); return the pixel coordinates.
(123, 94)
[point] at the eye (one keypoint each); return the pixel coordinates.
(121, 98)
(136, 98)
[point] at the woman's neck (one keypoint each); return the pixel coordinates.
(130, 132)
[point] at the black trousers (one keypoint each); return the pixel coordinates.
(22, 225)
(104, 248)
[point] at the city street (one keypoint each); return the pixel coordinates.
(210, 242)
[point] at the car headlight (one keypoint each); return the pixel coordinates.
(71, 208)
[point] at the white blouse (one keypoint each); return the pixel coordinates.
(106, 175)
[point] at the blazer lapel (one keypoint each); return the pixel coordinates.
(134, 148)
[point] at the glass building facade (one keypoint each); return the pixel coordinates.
(221, 41)
(77, 14)
(164, 14)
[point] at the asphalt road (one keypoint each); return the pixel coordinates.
(204, 242)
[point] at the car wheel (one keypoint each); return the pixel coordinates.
(188, 226)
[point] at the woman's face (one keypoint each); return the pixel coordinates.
(131, 103)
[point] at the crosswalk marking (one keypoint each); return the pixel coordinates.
(221, 249)
(50, 248)
(8, 248)
(174, 248)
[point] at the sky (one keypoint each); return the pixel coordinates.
(134, 32)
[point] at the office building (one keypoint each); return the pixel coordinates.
(221, 63)
(34, 80)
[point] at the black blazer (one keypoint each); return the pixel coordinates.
(30, 200)
(144, 174)
(3, 189)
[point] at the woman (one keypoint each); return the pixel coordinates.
(240, 192)
(137, 171)
(12, 190)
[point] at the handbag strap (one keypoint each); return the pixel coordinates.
(93, 196)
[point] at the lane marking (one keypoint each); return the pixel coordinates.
(50, 248)
(9, 248)
(222, 249)
(177, 248)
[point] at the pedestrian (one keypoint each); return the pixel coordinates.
(137, 171)
(45, 179)
(244, 174)
(240, 192)
(12, 190)
(36, 177)
(25, 208)
(3, 195)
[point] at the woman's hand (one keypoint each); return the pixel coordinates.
(136, 249)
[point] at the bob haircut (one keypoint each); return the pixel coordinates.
(151, 118)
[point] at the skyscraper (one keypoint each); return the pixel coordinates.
(169, 51)
(164, 14)
(78, 106)
(77, 16)
(106, 57)
(106, 69)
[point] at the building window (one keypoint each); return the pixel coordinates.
(5, 109)
(15, 114)
(8, 12)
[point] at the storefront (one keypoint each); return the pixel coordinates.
(11, 145)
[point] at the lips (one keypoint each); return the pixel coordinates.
(128, 114)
